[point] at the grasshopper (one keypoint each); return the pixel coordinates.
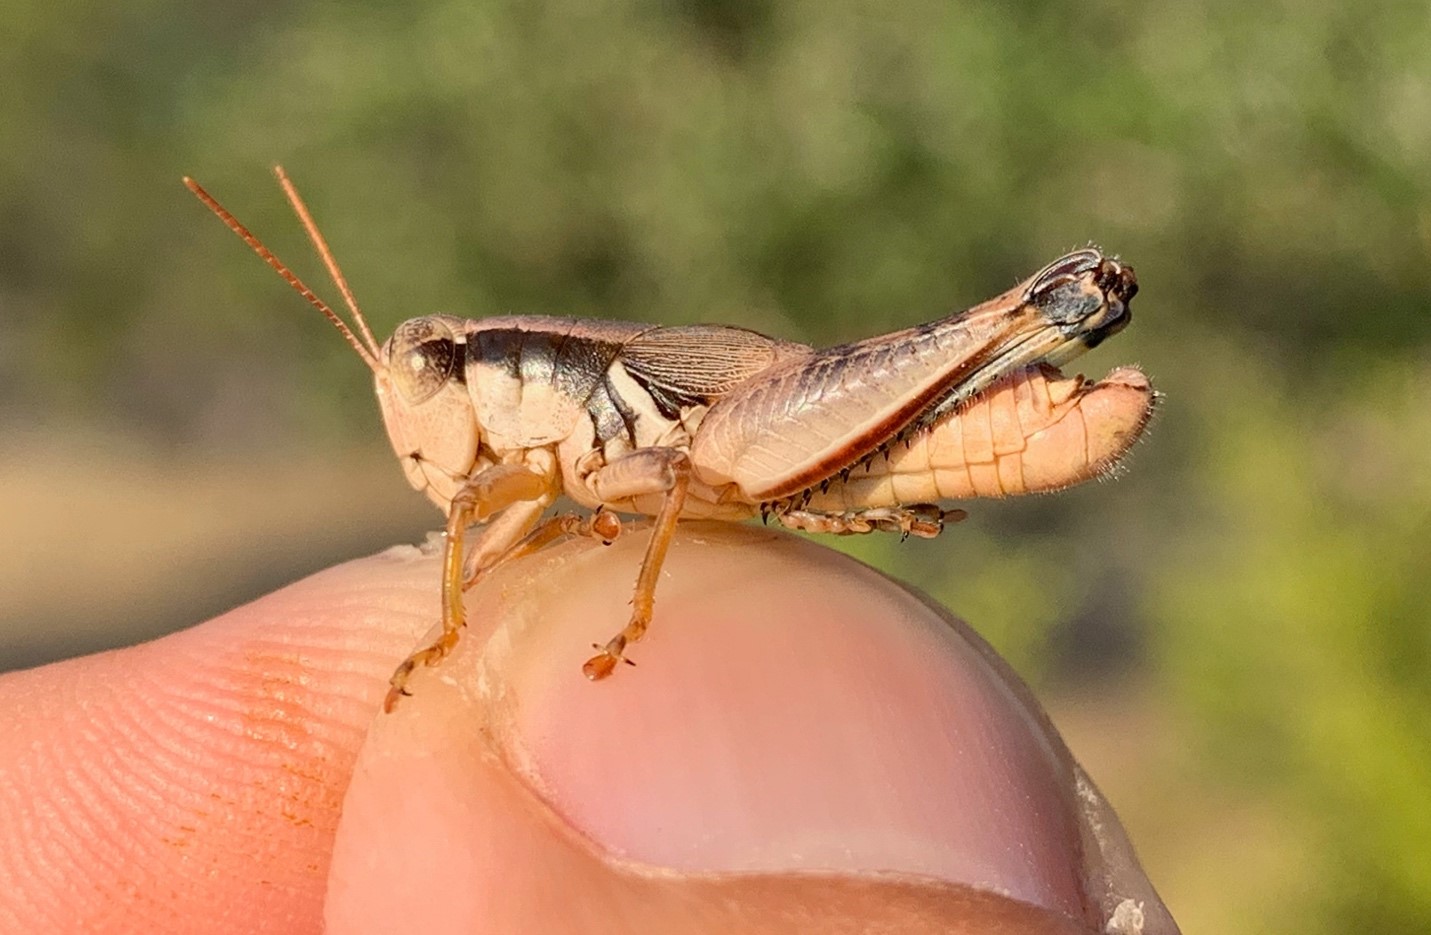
(493, 419)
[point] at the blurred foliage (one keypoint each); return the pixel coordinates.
(824, 171)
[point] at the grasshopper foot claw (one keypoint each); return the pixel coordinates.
(429, 656)
(394, 693)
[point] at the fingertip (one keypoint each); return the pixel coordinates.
(791, 710)
(791, 713)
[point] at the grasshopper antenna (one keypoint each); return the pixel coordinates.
(321, 245)
(369, 351)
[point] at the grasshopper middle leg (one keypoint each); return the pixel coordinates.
(647, 471)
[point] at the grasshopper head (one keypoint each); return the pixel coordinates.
(422, 390)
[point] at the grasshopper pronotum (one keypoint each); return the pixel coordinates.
(494, 418)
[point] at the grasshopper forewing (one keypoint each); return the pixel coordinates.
(494, 418)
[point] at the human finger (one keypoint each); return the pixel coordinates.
(802, 745)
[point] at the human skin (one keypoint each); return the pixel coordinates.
(803, 745)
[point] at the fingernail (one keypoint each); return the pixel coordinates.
(790, 710)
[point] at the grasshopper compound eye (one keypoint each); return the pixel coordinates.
(422, 356)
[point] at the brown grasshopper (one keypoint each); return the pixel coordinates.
(494, 418)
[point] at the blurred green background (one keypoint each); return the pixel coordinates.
(1234, 636)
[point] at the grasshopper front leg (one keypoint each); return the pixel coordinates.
(527, 493)
(497, 549)
(641, 473)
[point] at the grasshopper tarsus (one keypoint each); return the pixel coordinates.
(599, 667)
(604, 663)
(605, 525)
(393, 695)
(925, 520)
